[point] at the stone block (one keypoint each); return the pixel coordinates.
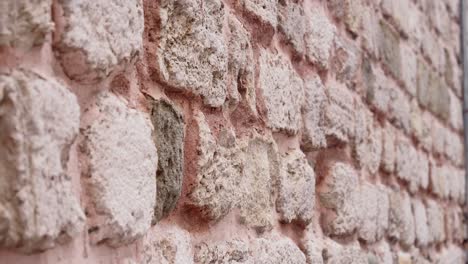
(388, 148)
(389, 48)
(412, 165)
(420, 223)
(374, 206)
(378, 88)
(293, 24)
(337, 253)
(119, 171)
(435, 221)
(277, 250)
(320, 38)
(167, 245)
(234, 251)
(264, 11)
(346, 61)
(401, 221)
(350, 12)
(409, 65)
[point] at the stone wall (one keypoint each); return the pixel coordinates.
(231, 131)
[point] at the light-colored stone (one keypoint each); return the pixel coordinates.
(452, 254)
(420, 223)
(296, 196)
(338, 254)
(192, 53)
(277, 250)
(421, 124)
(99, 37)
(383, 254)
(399, 109)
(454, 224)
(370, 32)
(349, 11)
(339, 195)
(282, 90)
(320, 38)
(293, 24)
(265, 11)
(388, 148)
(453, 147)
(412, 165)
(119, 171)
(389, 48)
(368, 140)
(39, 121)
(401, 221)
(377, 87)
(439, 180)
(456, 111)
(227, 252)
(345, 61)
(241, 65)
(261, 172)
(435, 220)
(220, 172)
(167, 245)
(374, 206)
(313, 135)
(168, 136)
(400, 12)
(25, 23)
(409, 67)
(312, 247)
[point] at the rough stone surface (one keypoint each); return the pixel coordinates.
(277, 250)
(116, 28)
(349, 11)
(389, 48)
(401, 222)
(192, 53)
(345, 61)
(264, 11)
(296, 197)
(25, 23)
(336, 253)
(167, 245)
(451, 255)
(119, 172)
(313, 135)
(168, 136)
(282, 89)
(435, 220)
(320, 38)
(241, 65)
(38, 208)
(411, 165)
(233, 251)
(339, 195)
(388, 148)
(454, 224)
(219, 175)
(374, 205)
(312, 247)
(293, 24)
(420, 223)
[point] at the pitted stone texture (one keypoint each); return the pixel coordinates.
(167, 245)
(378, 87)
(389, 48)
(296, 197)
(368, 140)
(349, 11)
(421, 125)
(227, 252)
(241, 65)
(219, 175)
(439, 178)
(452, 254)
(420, 223)
(435, 220)
(120, 163)
(345, 61)
(411, 165)
(261, 172)
(399, 110)
(99, 36)
(293, 24)
(401, 221)
(282, 89)
(383, 254)
(456, 112)
(320, 38)
(388, 148)
(39, 120)
(277, 250)
(312, 247)
(453, 147)
(339, 195)
(264, 11)
(313, 135)
(454, 224)
(409, 67)
(192, 53)
(339, 115)
(374, 205)
(400, 12)
(168, 136)
(370, 32)
(24, 23)
(335, 253)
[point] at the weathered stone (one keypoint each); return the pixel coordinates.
(119, 172)
(167, 245)
(282, 89)
(420, 223)
(265, 11)
(423, 82)
(219, 175)
(409, 70)
(227, 252)
(439, 180)
(320, 38)
(399, 109)
(370, 33)
(98, 37)
(454, 224)
(456, 184)
(377, 87)
(277, 250)
(453, 254)
(456, 111)
(192, 53)
(401, 221)
(261, 171)
(39, 120)
(312, 247)
(336, 253)
(296, 196)
(313, 135)
(292, 24)
(439, 133)
(168, 136)
(368, 140)
(345, 61)
(383, 254)
(374, 206)
(349, 11)
(412, 165)
(339, 115)
(339, 196)
(388, 148)
(435, 220)
(241, 65)
(453, 147)
(400, 12)
(421, 125)
(24, 23)
(389, 48)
